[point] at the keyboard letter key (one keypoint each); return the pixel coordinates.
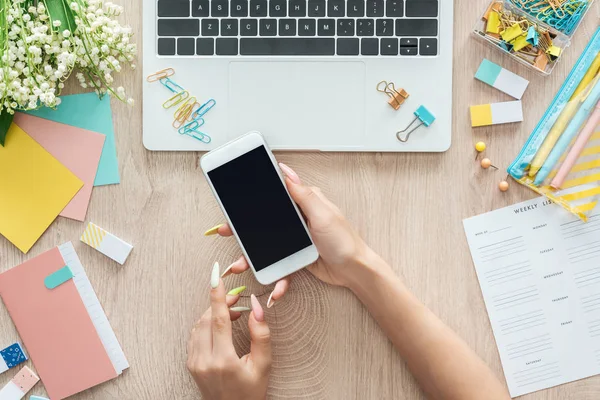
(199, 8)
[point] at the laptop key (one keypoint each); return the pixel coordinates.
(316, 8)
(356, 8)
(166, 47)
(278, 8)
(219, 8)
(297, 8)
(200, 8)
(173, 8)
(178, 27)
(347, 47)
(428, 47)
(248, 27)
(287, 27)
(186, 47)
(389, 47)
(394, 8)
(258, 8)
(369, 46)
(421, 8)
(229, 27)
(336, 8)
(374, 8)
(408, 51)
(227, 46)
(365, 27)
(307, 27)
(416, 27)
(345, 27)
(408, 42)
(326, 27)
(210, 27)
(287, 46)
(205, 46)
(268, 27)
(385, 27)
(239, 8)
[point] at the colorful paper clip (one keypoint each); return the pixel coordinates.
(191, 129)
(182, 115)
(396, 97)
(203, 109)
(176, 99)
(171, 85)
(422, 114)
(162, 74)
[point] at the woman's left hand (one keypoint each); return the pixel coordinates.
(212, 360)
(241, 265)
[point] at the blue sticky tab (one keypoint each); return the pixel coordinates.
(58, 278)
(488, 72)
(37, 398)
(532, 36)
(13, 355)
(424, 116)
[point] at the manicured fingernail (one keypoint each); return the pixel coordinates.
(270, 303)
(226, 272)
(290, 173)
(214, 276)
(240, 309)
(236, 291)
(257, 309)
(213, 231)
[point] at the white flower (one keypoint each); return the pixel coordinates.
(56, 23)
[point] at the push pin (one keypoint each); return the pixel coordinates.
(422, 114)
(503, 186)
(486, 163)
(480, 147)
(396, 97)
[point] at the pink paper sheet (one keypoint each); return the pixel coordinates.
(55, 327)
(77, 149)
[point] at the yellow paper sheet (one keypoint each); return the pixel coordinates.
(34, 188)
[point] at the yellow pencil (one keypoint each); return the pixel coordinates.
(564, 118)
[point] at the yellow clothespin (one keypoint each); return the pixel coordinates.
(512, 32)
(397, 97)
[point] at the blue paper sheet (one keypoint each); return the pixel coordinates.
(87, 111)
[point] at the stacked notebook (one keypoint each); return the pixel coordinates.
(61, 322)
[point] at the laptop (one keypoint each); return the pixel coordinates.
(302, 72)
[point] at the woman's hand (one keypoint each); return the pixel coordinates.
(212, 361)
(341, 248)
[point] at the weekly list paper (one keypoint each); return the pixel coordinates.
(539, 271)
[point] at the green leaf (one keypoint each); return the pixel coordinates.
(5, 121)
(59, 10)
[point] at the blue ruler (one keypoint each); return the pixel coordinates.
(519, 167)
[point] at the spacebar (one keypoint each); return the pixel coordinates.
(287, 46)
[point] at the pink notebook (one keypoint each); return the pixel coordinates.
(64, 329)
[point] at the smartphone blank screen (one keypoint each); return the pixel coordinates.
(259, 208)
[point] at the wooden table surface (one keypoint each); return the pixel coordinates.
(408, 207)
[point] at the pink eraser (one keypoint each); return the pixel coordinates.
(25, 379)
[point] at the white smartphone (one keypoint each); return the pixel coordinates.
(245, 178)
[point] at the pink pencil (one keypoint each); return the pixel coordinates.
(580, 143)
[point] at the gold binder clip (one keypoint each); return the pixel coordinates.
(397, 97)
(163, 73)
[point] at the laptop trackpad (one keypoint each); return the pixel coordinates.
(299, 105)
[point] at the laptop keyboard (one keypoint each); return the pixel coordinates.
(297, 27)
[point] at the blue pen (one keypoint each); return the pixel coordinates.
(569, 134)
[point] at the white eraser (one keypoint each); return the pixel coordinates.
(501, 79)
(106, 243)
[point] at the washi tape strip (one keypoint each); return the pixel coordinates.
(501, 79)
(496, 113)
(59, 277)
(106, 243)
(18, 387)
(11, 356)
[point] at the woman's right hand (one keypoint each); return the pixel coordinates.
(340, 247)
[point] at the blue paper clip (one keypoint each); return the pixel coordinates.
(422, 114)
(203, 109)
(191, 129)
(171, 85)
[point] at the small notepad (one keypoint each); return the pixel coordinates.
(501, 79)
(106, 243)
